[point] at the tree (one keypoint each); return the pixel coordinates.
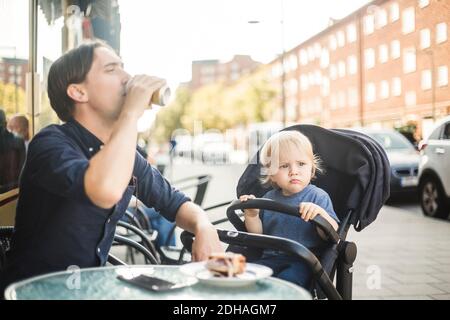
(169, 118)
(8, 99)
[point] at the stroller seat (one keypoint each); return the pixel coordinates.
(356, 177)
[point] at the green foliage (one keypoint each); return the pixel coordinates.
(217, 106)
(8, 99)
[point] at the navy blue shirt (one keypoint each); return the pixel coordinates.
(295, 228)
(57, 225)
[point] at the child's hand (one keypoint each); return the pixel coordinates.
(309, 210)
(252, 213)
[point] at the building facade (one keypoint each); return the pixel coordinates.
(383, 65)
(211, 71)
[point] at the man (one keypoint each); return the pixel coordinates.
(19, 126)
(79, 177)
(12, 156)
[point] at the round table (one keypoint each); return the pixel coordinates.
(102, 283)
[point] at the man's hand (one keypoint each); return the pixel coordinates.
(206, 242)
(192, 218)
(139, 91)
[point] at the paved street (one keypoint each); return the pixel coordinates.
(402, 255)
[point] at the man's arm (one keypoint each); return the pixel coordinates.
(192, 218)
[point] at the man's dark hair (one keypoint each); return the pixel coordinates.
(70, 68)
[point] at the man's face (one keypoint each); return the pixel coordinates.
(105, 83)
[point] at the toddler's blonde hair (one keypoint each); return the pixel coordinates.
(282, 142)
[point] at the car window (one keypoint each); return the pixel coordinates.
(436, 133)
(392, 141)
(446, 134)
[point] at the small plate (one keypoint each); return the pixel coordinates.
(253, 272)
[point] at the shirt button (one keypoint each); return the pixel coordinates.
(91, 149)
(98, 250)
(109, 221)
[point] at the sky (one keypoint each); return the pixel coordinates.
(163, 37)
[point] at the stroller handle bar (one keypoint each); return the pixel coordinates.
(272, 205)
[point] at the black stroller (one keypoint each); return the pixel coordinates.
(356, 178)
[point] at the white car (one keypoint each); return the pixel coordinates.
(434, 171)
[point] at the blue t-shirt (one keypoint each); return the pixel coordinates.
(295, 228)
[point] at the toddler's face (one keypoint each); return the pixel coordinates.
(294, 171)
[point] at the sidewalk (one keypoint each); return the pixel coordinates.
(409, 252)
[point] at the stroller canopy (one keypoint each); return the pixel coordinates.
(356, 173)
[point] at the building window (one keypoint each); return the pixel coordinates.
(311, 79)
(333, 72)
(423, 3)
(408, 20)
(384, 89)
(394, 12)
(304, 82)
(442, 79)
(426, 80)
(325, 58)
(341, 69)
(352, 64)
(292, 86)
(381, 18)
(371, 92)
(396, 87)
(383, 53)
(311, 54)
(369, 24)
(325, 88)
(317, 50)
(351, 33)
(276, 70)
(410, 98)
(441, 32)
(333, 42)
(352, 97)
(395, 49)
(409, 60)
(369, 57)
(340, 39)
(11, 70)
(318, 77)
(303, 57)
(425, 38)
(293, 62)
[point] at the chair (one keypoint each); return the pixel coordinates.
(357, 180)
(138, 218)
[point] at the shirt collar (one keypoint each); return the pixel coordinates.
(89, 140)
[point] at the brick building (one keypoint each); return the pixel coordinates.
(383, 65)
(211, 71)
(13, 70)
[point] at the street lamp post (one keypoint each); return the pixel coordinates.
(282, 58)
(430, 54)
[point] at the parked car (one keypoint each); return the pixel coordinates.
(403, 158)
(216, 152)
(434, 171)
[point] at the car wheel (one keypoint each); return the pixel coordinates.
(432, 199)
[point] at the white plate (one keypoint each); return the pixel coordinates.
(253, 272)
